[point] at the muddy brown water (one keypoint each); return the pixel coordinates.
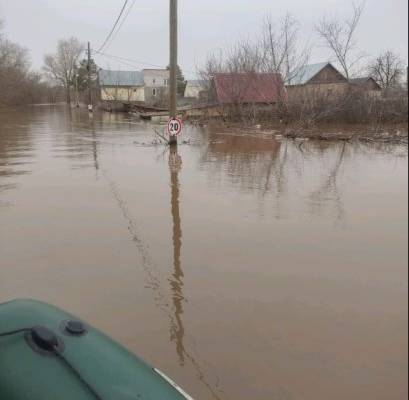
(243, 267)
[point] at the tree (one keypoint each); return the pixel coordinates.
(281, 50)
(180, 81)
(387, 69)
(82, 72)
(62, 65)
(14, 70)
(339, 37)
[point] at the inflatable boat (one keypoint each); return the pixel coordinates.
(47, 354)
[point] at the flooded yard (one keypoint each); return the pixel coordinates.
(243, 267)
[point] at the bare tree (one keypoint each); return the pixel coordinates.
(62, 65)
(340, 37)
(282, 53)
(242, 61)
(14, 71)
(387, 69)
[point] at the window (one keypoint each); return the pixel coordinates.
(166, 82)
(153, 81)
(154, 92)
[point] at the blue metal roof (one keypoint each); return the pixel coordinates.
(307, 72)
(120, 78)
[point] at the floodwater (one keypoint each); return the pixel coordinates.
(243, 267)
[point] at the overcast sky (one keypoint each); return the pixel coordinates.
(205, 26)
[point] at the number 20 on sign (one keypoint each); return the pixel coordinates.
(174, 127)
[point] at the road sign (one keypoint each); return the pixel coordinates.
(174, 127)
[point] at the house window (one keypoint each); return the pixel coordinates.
(154, 92)
(153, 81)
(166, 82)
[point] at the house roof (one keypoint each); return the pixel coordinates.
(307, 72)
(196, 83)
(120, 78)
(248, 87)
(363, 80)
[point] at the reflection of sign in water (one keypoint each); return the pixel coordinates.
(174, 127)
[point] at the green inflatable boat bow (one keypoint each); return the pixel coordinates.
(47, 354)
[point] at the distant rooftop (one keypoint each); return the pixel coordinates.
(307, 72)
(120, 78)
(248, 87)
(196, 83)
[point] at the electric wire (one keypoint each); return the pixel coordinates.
(122, 22)
(115, 25)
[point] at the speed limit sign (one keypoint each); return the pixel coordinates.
(174, 126)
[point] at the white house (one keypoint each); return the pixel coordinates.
(156, 82)
(194, 88)
(123, 86)
(150, 86)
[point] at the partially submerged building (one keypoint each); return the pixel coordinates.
(121, 86)
(149, 87)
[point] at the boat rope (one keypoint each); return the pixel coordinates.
(63, 359)
(17, 331)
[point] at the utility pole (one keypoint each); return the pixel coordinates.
(77, 100)
(90, 107)
(173, 64)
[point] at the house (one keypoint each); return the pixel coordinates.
(367, 85)
(121, 86)
(156, 84)
(195, 89)
(148, 87)
(320, 79)
(247, 88)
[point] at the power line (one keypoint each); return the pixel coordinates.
(137, 68)
(116, 23)
(122, 22)
(129, 60)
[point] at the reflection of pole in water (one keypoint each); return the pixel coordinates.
(176, 281)
(94, 143)
(177, 331)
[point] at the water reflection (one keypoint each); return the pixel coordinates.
(16, 150)
(247, 161)
(329, 185)
(274, 170)
(177, 331)
(94, 141)
(177, 328)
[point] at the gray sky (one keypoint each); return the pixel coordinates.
(205, 25)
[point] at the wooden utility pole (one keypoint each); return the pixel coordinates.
(173, 64)
(90, 107)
